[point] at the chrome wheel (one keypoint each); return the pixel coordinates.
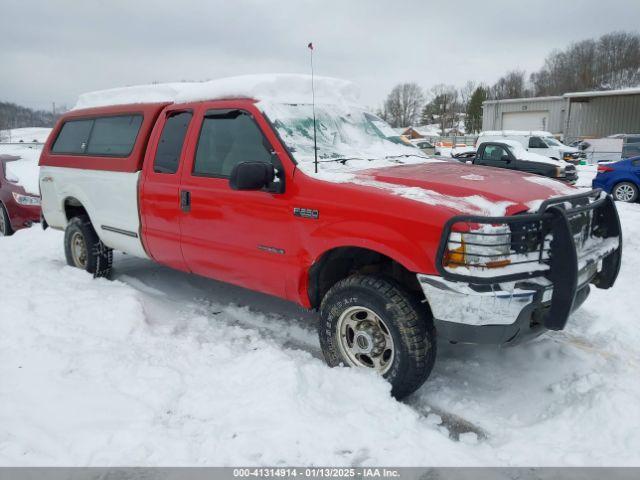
(624, 192)
(365, 340)
(79, 250)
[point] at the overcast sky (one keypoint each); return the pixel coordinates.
(53, 50)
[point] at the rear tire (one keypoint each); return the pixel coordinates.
(6, 229)
(387, 329)
(625, 192)
(85, 250)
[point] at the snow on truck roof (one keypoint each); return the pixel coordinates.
(281, 88)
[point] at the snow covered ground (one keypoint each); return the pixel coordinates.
(586, 173)
(159, 367)
(26, 135)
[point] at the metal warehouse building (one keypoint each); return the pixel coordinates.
(572, 115)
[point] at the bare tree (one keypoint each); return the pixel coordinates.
(465, 94)
(443, 106)
(16, 116)
(612, 61)
(511, 85)
(403, 104)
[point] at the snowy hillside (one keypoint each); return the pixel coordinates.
(163, 368)
(26, 135)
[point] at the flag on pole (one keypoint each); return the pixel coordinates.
(310, 46)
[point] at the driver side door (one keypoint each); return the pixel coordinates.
(240, 237)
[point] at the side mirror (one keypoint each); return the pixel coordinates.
(251, 176)
(505, 158)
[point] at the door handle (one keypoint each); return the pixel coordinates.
(185, 200)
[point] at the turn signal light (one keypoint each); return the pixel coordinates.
(499, 263)
(455, 257)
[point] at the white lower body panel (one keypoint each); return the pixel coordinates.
(110, 199)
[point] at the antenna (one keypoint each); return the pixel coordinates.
(313, 107)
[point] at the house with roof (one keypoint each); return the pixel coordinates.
(414, 133)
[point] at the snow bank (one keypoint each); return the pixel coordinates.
(164, 368)
(97, 372)
(24, 171)
(586, 174)
(286, 88)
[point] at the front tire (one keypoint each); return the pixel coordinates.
(83, 249)
(5, 223)
(625, 192)
(373, 322)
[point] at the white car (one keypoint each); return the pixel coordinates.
(540, 142)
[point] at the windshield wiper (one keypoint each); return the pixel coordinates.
(344, 160)
(405, 155)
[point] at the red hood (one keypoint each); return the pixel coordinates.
(454, 179)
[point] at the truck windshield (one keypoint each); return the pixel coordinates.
(552, 142)
(346, 135)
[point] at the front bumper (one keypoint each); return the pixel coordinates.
(495, 306)
(475, 314)
(574, 158)
(23, 216)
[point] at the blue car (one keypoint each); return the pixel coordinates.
(620, 179)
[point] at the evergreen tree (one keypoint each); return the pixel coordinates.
(473, 120)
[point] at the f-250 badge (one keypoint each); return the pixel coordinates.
(306, 213)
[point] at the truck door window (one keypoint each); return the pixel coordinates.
(227, 140)
(493, 153)
(536, 142)
(171, 141)
(73, 137)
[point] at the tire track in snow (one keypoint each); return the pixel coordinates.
(588, 346)
(288, 331)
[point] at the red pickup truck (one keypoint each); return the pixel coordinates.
(246, 181)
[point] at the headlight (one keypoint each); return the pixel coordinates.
(26, 199)
(486, 247)
(560, 172)
(474, 247)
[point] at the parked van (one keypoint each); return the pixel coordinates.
(540, 142)
(245, 181)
